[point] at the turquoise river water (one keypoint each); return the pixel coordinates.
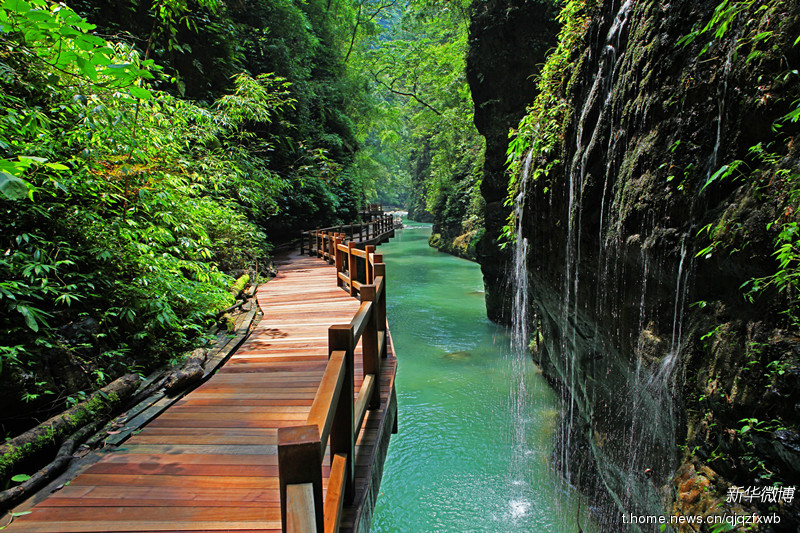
(458, 463)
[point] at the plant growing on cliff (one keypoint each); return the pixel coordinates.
(749, 19)
(754, 31)
(542, 128)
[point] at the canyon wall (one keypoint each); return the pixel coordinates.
(657, 179)
(508, 44)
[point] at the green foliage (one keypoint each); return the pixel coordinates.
(751, 20)
(122, 207)
(422, 148)
(749, 24)
(722, 527)
(542, 128)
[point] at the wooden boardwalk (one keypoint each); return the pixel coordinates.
(210, 463)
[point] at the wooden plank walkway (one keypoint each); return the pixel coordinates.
(209, 463)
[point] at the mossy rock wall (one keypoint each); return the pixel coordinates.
(508, 43)
(638, 254)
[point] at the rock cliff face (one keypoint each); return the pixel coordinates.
(658, 178)
(508, 43)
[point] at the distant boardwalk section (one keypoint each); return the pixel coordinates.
(295, 424)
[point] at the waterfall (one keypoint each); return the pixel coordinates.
(519, 355)
(722, 92)
(598, 99)
(681, 286)
(519, 311)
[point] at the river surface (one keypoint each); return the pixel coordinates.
(457, 463)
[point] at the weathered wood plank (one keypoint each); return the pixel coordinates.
(334, 496)
(300, 514)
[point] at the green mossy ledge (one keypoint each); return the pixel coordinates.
(239, 285)
(55, 430)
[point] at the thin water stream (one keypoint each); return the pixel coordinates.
(458, 463)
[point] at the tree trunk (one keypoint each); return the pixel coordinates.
(53, 431)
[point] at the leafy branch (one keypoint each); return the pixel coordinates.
(413, 93)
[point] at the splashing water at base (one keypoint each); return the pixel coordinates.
(455, 465)
(519, 508)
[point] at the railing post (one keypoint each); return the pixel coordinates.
(342, 439)
(369, 345)
(380, 309)
(300, 461)
(351, 266)
(370, 277)
(331, 248)
(302, 241)
(319, 242)
(337, 258)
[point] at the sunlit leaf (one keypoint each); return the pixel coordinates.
(140, 92)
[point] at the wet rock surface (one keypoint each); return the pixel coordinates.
(508, 44)
(639, 254)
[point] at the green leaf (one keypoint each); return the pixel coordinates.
(32, 158)
(139, 92)
(87, 68)
(19, 478)
(39, 16)
(17, 5)
(763, 35)
(30, 321)
(12, 187)
(56, 166)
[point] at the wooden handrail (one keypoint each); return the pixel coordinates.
(299, 463)
(364, 395)
(320, 242)
(359, 322)
(300, 509)
(327, 397)
(335, 420)
(335, 497)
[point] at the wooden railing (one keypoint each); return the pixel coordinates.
(372, 210)
(319, 242)
(335, 419)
